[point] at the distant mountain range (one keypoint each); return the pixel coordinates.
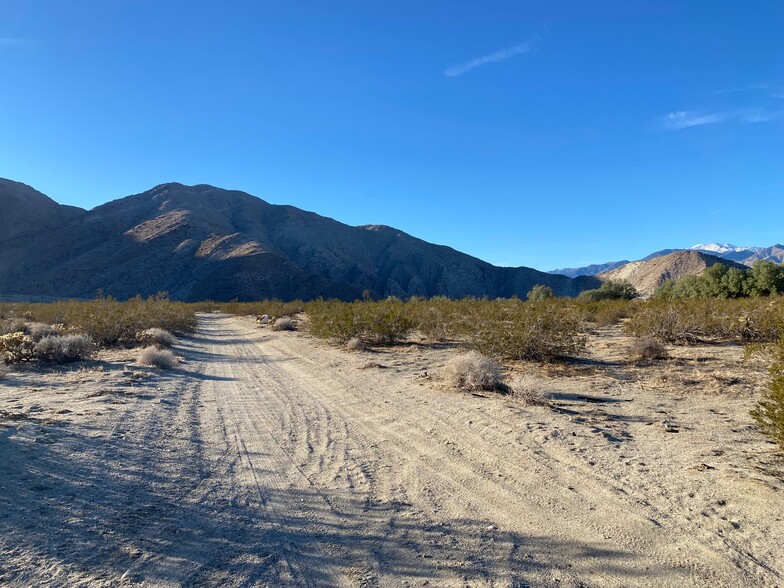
(743, 255)
(202, 242)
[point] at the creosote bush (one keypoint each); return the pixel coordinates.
(540, 292)
(472, 372)
(160, 358)
(382, 323)
(110, 322)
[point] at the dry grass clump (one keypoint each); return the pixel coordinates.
(356, 344)
(284, 324)
(531, 390)
(64, 348)
(472, 372)
(647, 349)
(156, 336)
(156, 357)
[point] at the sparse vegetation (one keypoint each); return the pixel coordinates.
(472, 372)
(355, 344)
(156, 357)
(705, 320)
(769, 412)
(380, 323)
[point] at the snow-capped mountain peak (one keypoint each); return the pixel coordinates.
(723, 248)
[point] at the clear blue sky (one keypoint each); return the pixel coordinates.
(544, 133)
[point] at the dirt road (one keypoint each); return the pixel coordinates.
(273, 460)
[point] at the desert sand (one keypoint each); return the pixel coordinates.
(273, 459)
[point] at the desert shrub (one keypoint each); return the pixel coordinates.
(610, 290)
(13, 326)
(384, 323)
(156, 336)
(38, 331)
(511, 329)
(64, 348)
(530, 390)
(540, 292)
(111, 322)
(160, 358)
(16, 347)
(695, 320)
(647, 348)
(284, 324)
(769, 412)
(270, 307)
(473, 371)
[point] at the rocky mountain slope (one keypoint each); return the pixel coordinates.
(646, 276)
(589, 270)
(202, 242)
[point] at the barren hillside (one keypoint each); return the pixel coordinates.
(646, 276)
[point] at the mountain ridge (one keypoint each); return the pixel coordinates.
(200, 242)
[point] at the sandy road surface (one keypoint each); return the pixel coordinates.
(273, 460)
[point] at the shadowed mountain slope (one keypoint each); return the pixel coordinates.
(25, 211)
(202, 242)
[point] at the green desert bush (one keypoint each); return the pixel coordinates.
(765, 278)
(610, 290)
(64, 348)
(383, 323)
(472, 372)
(540, 292)
(769, 412)
(156, 357)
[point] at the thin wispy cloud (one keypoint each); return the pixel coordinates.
(748, 88)
(683, 119)
(503, 55)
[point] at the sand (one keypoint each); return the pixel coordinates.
(273, 459)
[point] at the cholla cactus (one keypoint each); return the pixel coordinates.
(16, 347)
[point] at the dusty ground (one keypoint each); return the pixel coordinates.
(271, 459)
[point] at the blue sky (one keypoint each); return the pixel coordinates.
(544, 133)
